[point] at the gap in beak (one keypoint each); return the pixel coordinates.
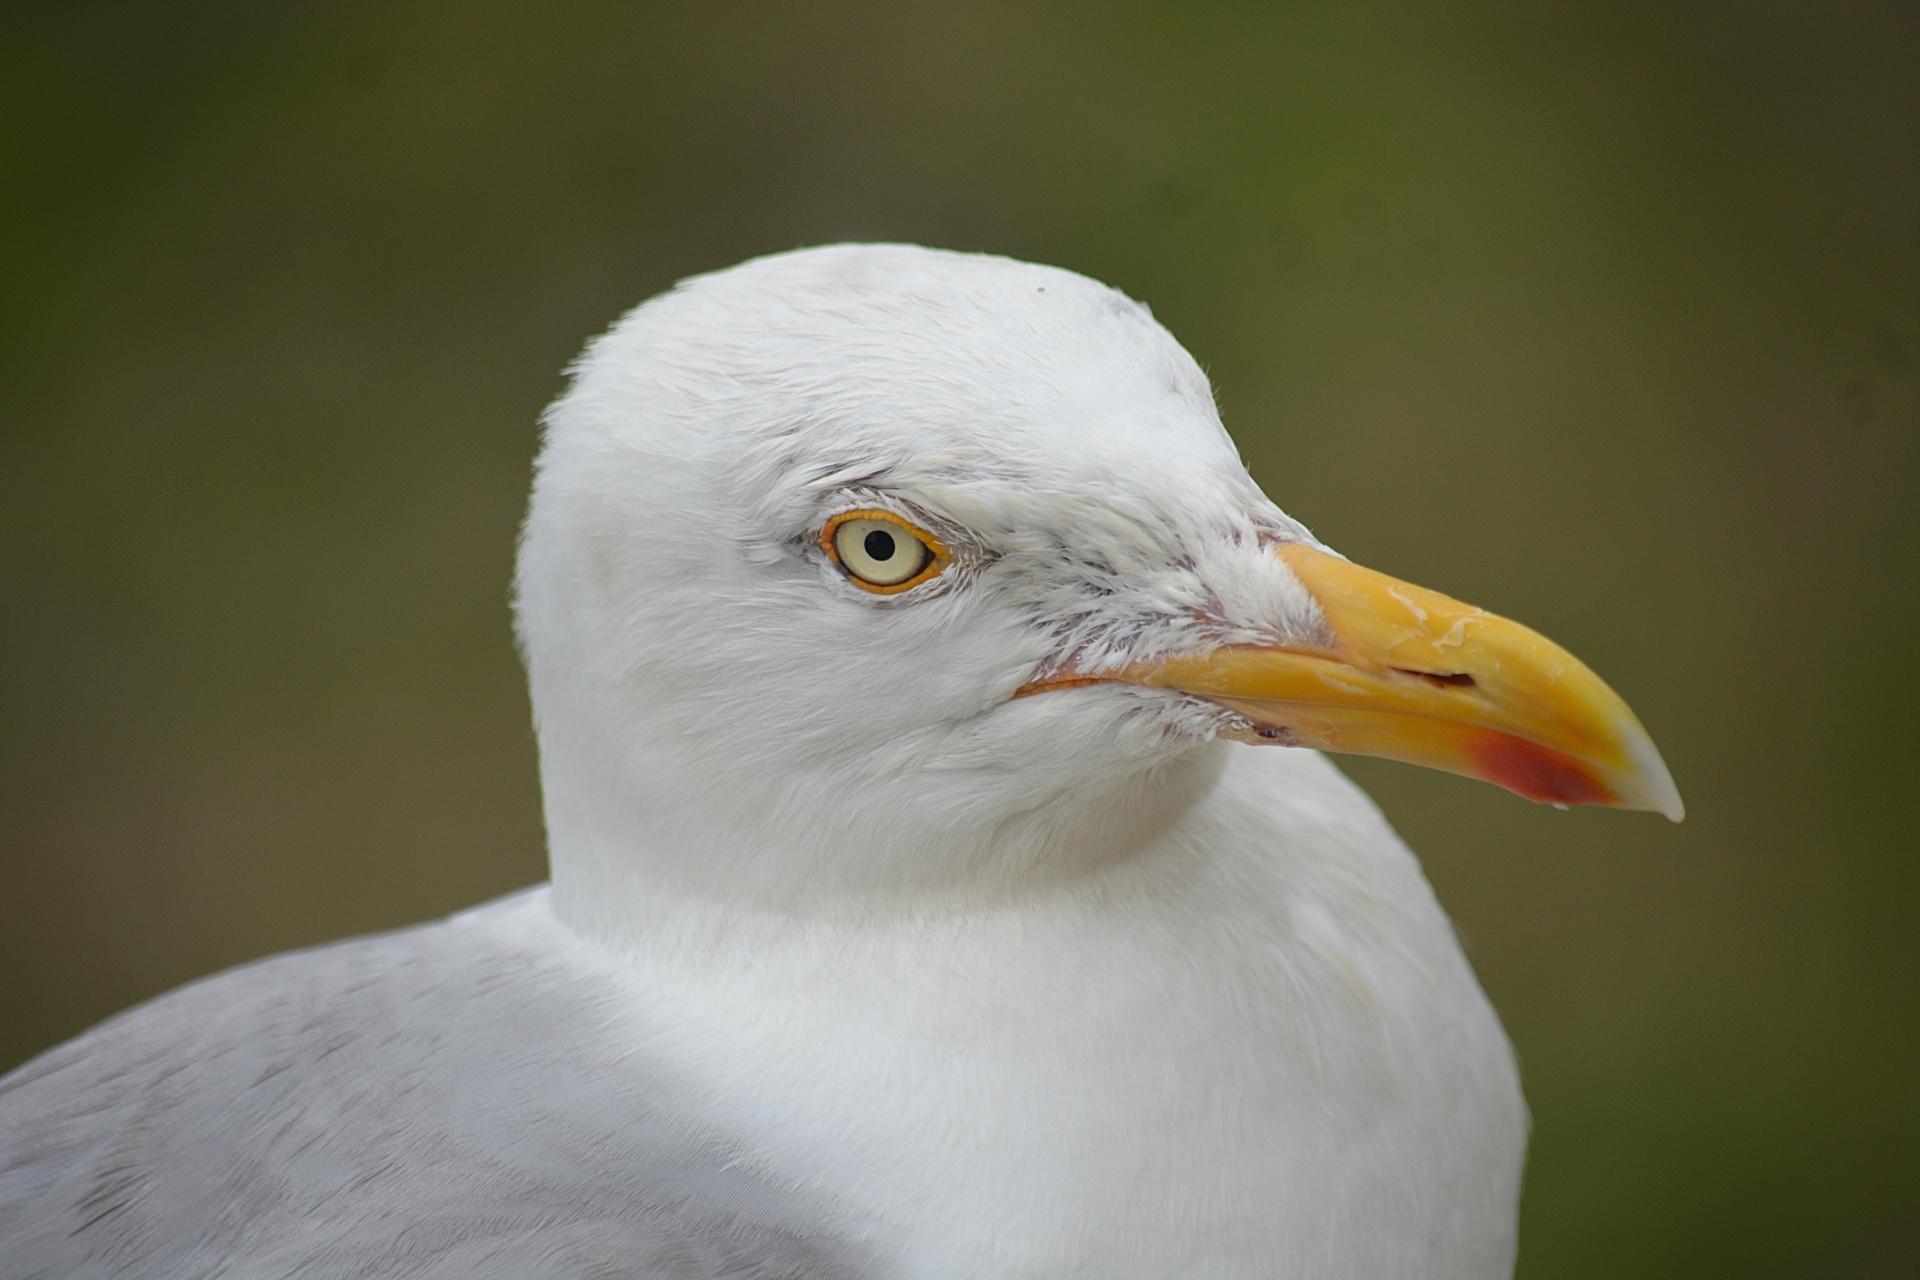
(1440, 679)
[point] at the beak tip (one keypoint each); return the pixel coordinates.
(1654, 788)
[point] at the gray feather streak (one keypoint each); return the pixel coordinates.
(432, 1102)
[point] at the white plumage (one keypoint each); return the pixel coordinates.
(855, 961)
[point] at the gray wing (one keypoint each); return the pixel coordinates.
(427, 1103)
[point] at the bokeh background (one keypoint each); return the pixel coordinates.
(1603, 315)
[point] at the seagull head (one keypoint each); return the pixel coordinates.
(878, 570)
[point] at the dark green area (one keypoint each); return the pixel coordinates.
(1606, 316)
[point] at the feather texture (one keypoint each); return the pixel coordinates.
(442, 1101)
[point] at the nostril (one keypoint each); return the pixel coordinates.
(1441, 679)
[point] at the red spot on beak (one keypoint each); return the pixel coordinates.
(1539, 773)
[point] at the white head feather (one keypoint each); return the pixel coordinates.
(719, 709)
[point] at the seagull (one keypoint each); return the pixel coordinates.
(933, 892)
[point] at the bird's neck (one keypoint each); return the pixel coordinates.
(622, 870)
(1258, 1021)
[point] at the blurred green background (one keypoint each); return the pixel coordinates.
(1606, 316)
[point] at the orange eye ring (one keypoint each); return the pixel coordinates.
(938, 558)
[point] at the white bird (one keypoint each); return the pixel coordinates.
(902, 628)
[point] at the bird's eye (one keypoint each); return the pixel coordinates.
(882, 552)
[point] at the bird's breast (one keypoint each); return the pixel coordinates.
(1254, 1071)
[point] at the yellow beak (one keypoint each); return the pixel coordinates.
(1410, 674)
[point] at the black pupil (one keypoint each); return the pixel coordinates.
(879, 545)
